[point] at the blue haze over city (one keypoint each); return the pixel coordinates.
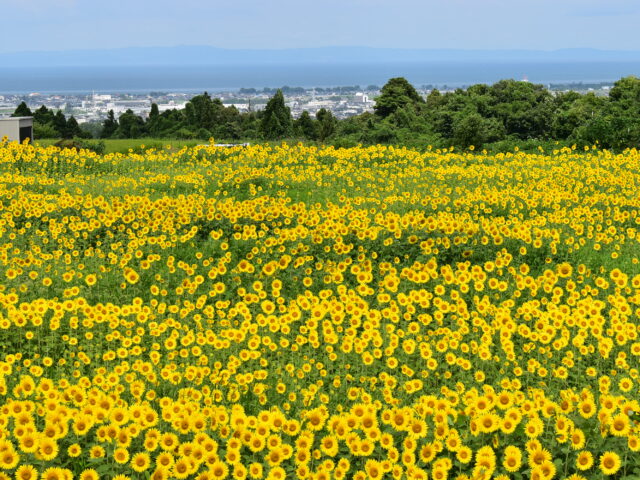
(192, 45)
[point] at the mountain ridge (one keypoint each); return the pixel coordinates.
(197, 55)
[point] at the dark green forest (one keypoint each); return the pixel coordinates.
(507, 113)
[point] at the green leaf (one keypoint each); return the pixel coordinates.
(103, 469)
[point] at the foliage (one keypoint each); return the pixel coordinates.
(306, 127)
(276, 122)
(82, 144)
(47, 124)
(46, 130)
(109, 126)
(480, 116)
(22, 110)
(397, 94)
(326, 124)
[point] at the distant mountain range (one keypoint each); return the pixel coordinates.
(211, 56)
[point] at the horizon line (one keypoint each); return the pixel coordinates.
(320, 47)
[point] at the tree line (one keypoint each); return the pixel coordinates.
(508, 110)
(50, 124)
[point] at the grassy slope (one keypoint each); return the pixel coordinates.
(117, 145)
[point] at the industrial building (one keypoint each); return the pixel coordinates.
(17, 128)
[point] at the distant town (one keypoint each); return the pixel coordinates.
(343, 101)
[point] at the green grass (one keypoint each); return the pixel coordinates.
(123, 145)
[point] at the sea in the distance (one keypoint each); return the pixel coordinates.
(212, 78)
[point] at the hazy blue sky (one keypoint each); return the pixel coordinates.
(472, 24)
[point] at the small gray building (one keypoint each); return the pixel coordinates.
(17, 128)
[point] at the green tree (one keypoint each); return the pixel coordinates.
(573, 112)
(43, 115)
(434, 99)
(44, 124)
(525, 109)
(109, 126)
(276, 122)
(60, 123)
(73, 129)
(624, 111)
(93, 128)
(226, 121)
(200, 112)
(380, 133)
(626, 91)
(442, 110)
(154, 112)
(397, 94)
(603, 129)
(130, 125)
(326, 124)
(306, 126)
(249, 125)
(22, 111)
(473, 129)
(154, 121)
(46, 130)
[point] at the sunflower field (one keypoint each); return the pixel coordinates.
(296, 312)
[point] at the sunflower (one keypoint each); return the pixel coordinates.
(577, 439)
(181, 468)
(239, 471)
(366, 447)
(610, 463)
(513, 459)
(121, 455)
(257, 443)
(131, 275)
(28, 472)
(165, 460)
(508, 425)
(48, 448)
(584, 461)
(620, 425)
(539, 456)
(74, 450)
(329, 445)
(28, 443)
(464, 454)
(97, 451)
(587, 408)
(53, 473)
(547, 469)
(159, 474)
(428, 453)
(533, 428)
(255, 470)
(140, 462)
(374, 469)
(489, 422)
(89, 474)
(564, 270)
(168, 441)
(439, 473)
